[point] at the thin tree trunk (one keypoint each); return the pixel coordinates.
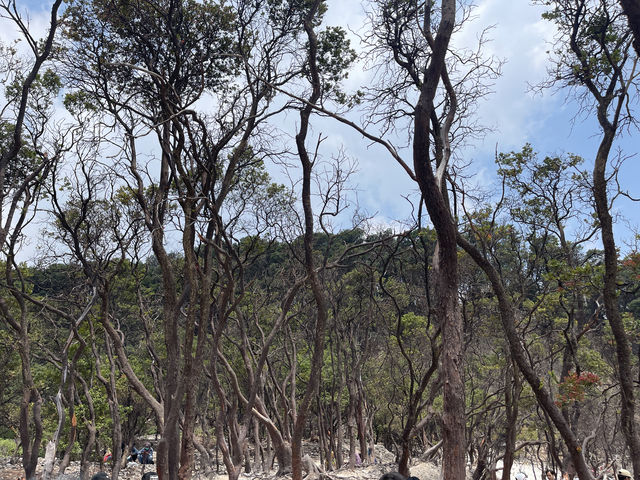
(361, 422)
(92, 431)
(351, 421)
(258, 453)
(114, 408)
(512, 390)
(481, 465)
(312, 276)
(337, 408)
(30, 439)
(73, 432)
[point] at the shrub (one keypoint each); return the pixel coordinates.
(8, 447)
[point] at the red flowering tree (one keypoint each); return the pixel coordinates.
(574, 387)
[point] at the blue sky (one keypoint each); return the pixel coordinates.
(514, 114)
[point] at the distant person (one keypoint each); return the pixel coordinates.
(358, 459)
(150, 476)
(133, 453)
(393, 476)
(107, 456)
(145, 455)
(550, 474)
(624, 474)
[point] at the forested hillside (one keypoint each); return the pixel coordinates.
(184, 259)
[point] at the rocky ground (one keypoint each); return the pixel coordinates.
(10, 469)
(424, 471)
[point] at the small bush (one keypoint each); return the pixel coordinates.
(8, 447)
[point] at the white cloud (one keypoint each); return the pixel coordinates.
(513, 113)
(519, 37)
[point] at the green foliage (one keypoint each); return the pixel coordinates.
(289, 14)
(8, 448)
(548, 192)
(364, 308)
(26, 161)
(413, 330)
(79, 102)
(54, 280)
(188, 43)
(43, 91)
(594, 42)
(335, 56)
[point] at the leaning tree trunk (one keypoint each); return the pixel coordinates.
(281, 448)
(519, 355)
(610, 293)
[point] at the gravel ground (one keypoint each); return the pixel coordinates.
(10, 469)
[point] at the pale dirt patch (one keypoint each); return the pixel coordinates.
(10, 469)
